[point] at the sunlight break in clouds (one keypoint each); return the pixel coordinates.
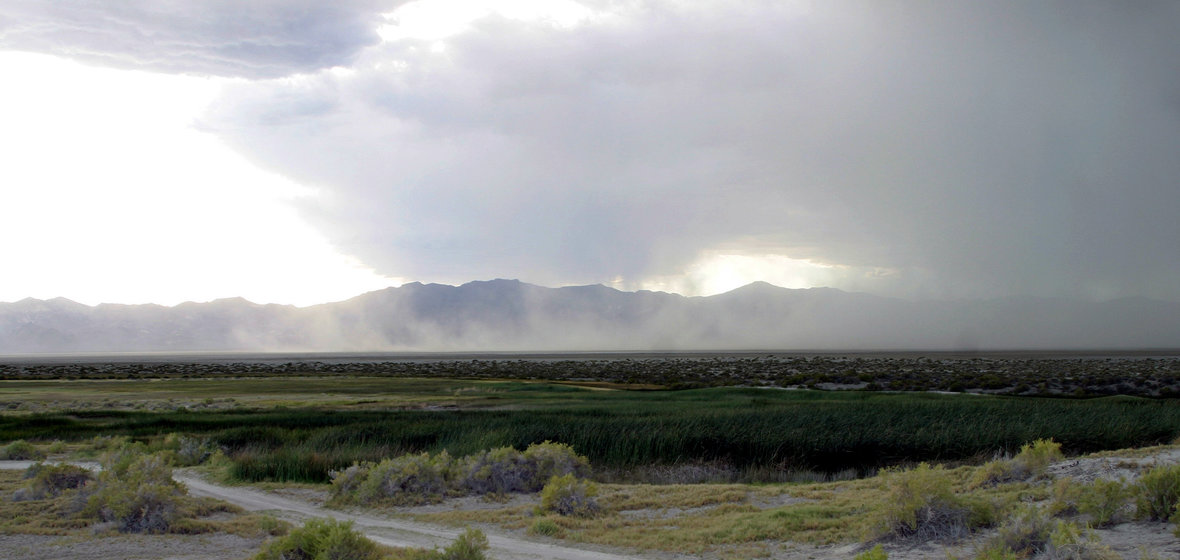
(111, 196)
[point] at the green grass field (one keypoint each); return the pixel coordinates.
(300, 428)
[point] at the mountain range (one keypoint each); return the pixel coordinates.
(510, 315)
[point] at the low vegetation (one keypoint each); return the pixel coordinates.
(328, 539)
(425, 478)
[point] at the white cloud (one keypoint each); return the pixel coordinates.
(111, 196)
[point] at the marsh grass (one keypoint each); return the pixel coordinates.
(746, 434)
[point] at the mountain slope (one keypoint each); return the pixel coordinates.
(512, 315)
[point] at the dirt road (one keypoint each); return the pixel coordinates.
(387, 531)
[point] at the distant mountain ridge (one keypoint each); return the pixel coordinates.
(513, 315)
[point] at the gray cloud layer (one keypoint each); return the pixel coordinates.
(254, 39)
(974, 148)
(970, 148)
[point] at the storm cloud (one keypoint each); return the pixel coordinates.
(256, 39)
(921, 149)
(962, 149)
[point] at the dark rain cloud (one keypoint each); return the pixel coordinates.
(254, 39)
(968, 149)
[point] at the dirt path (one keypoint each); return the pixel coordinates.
(387, 531)
(392, 532)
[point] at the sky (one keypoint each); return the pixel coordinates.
(300, 151)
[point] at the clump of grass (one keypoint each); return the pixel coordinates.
(1158, 494)
(875, 553)
(922, 505)
(1032, 461)
(569, 495)
(545, 527)
(21, 450)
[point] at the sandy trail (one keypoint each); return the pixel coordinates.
(387, 531)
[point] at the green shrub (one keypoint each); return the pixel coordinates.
(1104, 501)
(550, 459)
(346, 482)
(545, 527)
(1024, 534)
(1032, 461)
(138, 494)
(470, 545)
(58, 446)
(875, 553)
(52, 480)
(498, 471)
(321, 539)
(1032, 534)
(922, 505)
(569, 495)
(1158, 493)
(189, 450)
(21, 450)
(408, 479)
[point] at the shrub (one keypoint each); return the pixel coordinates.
(470, 545)
(408, 479)
(1032, 534)
(138, 495)
(498, 471)
(1032, 461)
(52, 480)
(321, 539)
(347, 481)
(875, 553)
(505, 469)
(1024, 534)
(21, 450)
(554, 459)
(545, 527)
(1104, 501)
(569, 495)
(190, 450)
(1159, 493)
(1034, 458)
(922, 505)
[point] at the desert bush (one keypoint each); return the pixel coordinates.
(469, 545)
(505, 469)
(1158, 493)
(322, 539)
(923, 505)
(498, 471)
(1064, 497)
(545, 527)
(875, 553)
(189, 450)
(52, 480)
(58, 446)
(408, 479)
(138, 494)
(346, 482)
(569, 495)
(1031, 462)
(1104, 501)
(21, 450)
(1024, 534)
(554, 459)
(1031, 533)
